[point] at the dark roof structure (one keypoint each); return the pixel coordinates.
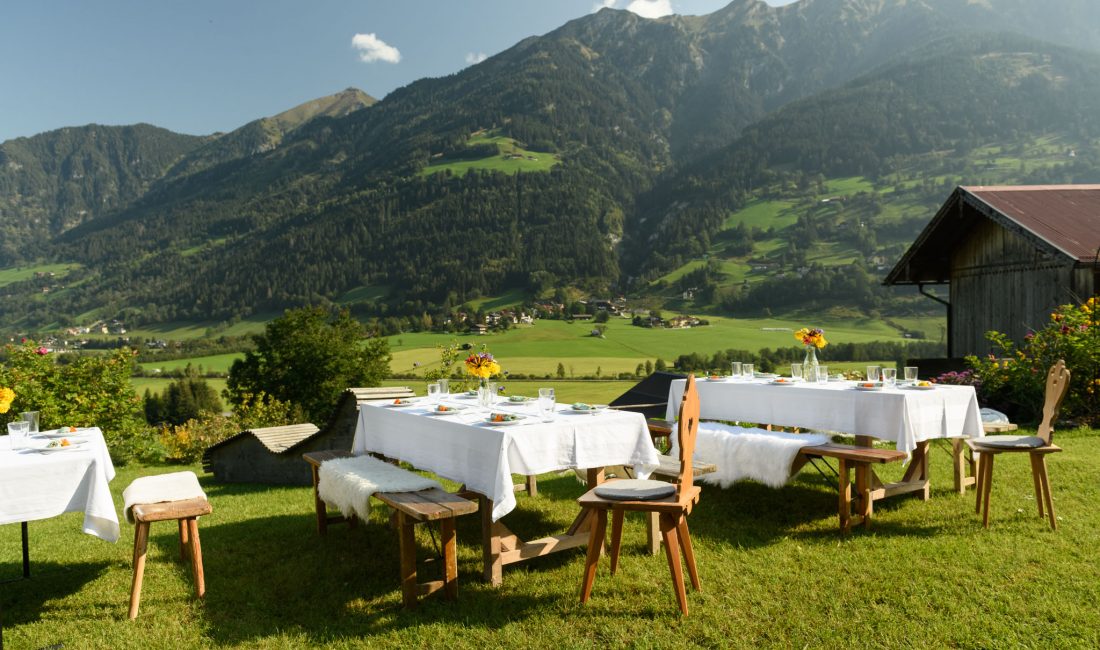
(649, 396)
(1062, 221)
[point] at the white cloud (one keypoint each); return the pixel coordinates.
(478, 57)
(371, 49)
(650, 8)
(604, 4)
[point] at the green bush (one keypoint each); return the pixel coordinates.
(1015, 379)
(186, 442)
(83, 390)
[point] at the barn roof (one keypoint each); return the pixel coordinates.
(1060, 220)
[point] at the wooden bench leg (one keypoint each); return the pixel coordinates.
(532, 483)
(987, 483)
(322, 509)
(844, 496)
(407, 543)
(450, 557)
(863, 487)
(141, 540)
(196, 557)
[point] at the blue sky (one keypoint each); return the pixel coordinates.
(199, 66)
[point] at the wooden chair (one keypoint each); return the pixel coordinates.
(1037, 447)
(672, 502)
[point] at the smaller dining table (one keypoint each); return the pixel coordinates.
(464, 447)
(38, 484)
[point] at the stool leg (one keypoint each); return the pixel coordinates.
(196, 557)
(450, 558)
(407, 544)
(185, 549)
(319, 505)
(987, 483)
(141, 539)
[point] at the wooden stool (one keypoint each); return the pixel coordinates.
(186, 513)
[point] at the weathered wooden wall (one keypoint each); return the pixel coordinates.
(246, 460)
(1001, 281)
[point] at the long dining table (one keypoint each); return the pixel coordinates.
(462, 445)
(908, 416)
(39, 482)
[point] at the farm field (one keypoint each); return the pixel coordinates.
(538, 349)
(212, 363)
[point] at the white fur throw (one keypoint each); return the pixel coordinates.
(749, 453)
(348, 483)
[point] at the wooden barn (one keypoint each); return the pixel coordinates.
(1010, 255)
(273, 455)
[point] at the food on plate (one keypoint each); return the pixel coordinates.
(54, 444)
(401, 401)
(72, 429)
(924, 383)
(443, 408)
(581, 406)
(503, 417)
(867, 384)
(782, 380)
(517, 398)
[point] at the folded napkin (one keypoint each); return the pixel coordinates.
(178, 486)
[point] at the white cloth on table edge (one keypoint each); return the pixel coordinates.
(349, 483)
(35, 486)
(160, 488)
(747, 453)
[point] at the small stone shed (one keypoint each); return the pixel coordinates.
(273, 455)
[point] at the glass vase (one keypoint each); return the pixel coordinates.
(485, 390)
(809, 364)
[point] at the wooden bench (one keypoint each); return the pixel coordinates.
(861, 458)
(410, 508)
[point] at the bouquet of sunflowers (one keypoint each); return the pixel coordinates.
(812, 336)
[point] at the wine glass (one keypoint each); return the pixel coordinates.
(546, 403)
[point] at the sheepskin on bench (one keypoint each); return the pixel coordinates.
(742, 453)
(348, 483)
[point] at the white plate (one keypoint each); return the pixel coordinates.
(63, 432)
(593, 408)
(717, 378)
(870, 388)
(933, 387)
(787, 382)
(506, 423)
(451, 410)
(75, 444)
(525, 400)
(401, 405)
(764, 375)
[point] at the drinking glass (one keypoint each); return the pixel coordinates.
(746, 368)
(796, 371)
(889, 376)
(31, 418)
(735, 369)
(444, 387)
(910, 374)
(546, 403)
(18, 433)
(823, 374)
(873, 373)
(433, 393)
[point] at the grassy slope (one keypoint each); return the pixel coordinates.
(774, 570)
(20, 273)
(512, 158)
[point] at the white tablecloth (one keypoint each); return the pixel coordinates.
(464, 449)
(903, 416)
(36, 485)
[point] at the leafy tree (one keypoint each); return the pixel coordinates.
(660, 365)
(308, 357)
(561, 370)
(648, 367)
(184, 399)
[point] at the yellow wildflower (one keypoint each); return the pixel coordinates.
(6, 397)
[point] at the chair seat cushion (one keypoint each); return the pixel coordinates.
(635, 490)
(1010, 442)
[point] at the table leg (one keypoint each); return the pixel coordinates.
(26, 549)
(958, 462)
(490, 544)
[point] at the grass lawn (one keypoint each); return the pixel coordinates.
(774, 569)
(212, 363)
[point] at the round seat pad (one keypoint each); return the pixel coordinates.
(635, 490)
